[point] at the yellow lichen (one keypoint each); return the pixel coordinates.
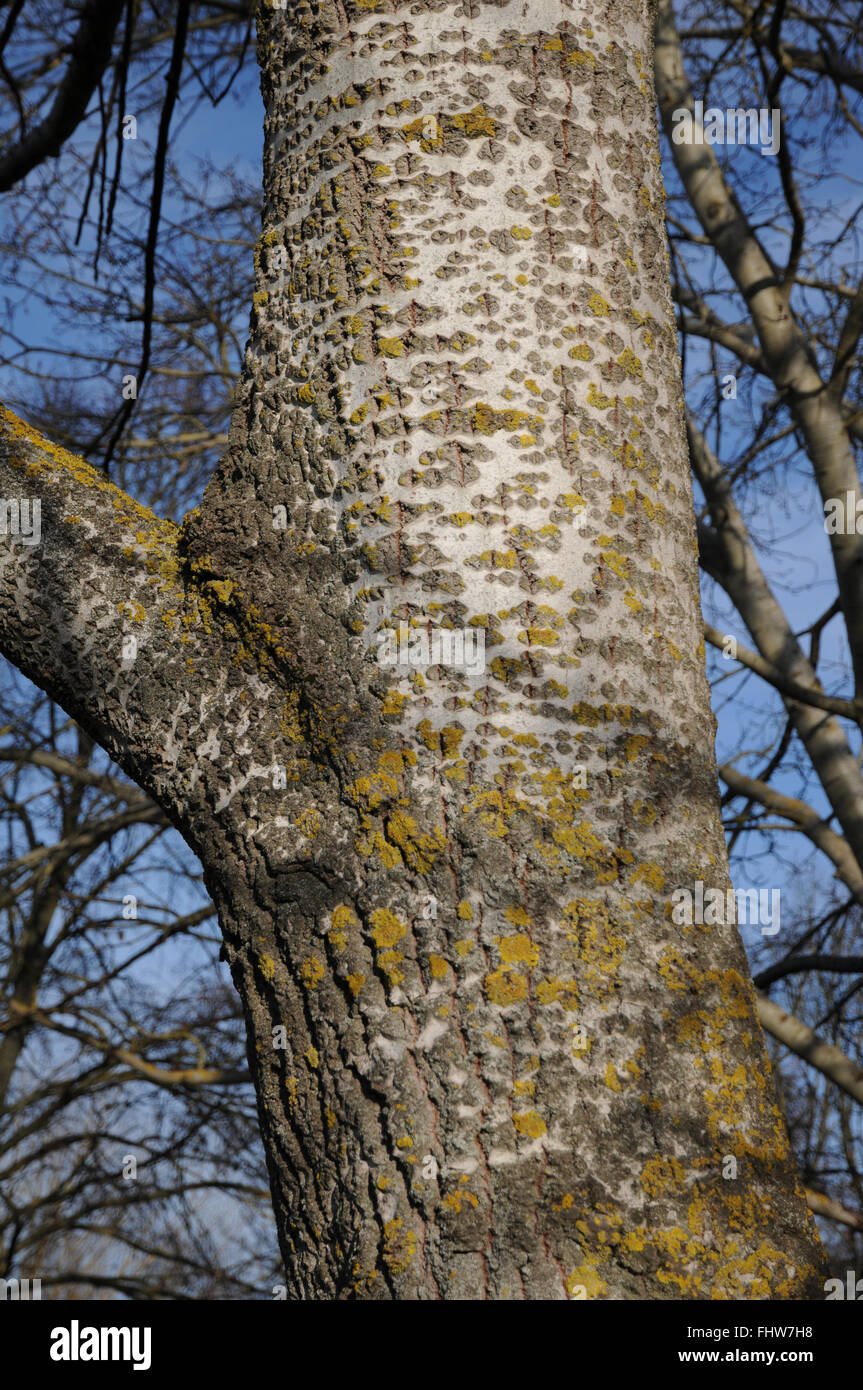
(312, 971)
(386, 928)
(529, 1124)
(267, 966)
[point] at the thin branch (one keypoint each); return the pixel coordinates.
(90, 56)
(800, 1039)
(834, 1211)
(791, 689)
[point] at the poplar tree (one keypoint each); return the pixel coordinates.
(488, 1062)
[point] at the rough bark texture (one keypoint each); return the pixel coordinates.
(507, 1072)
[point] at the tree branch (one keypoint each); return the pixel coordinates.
(795, 965)
(90, 56)
(104, 616)
(792, 690)
(786, 356)
(727, 554)
(838, 851)
(821, 1055)
(834, 1211)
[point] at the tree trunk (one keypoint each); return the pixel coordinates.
(488, 1062)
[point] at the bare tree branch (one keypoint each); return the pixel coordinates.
(801, 1039)
(89, 57)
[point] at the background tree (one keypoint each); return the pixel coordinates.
(766, 273)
